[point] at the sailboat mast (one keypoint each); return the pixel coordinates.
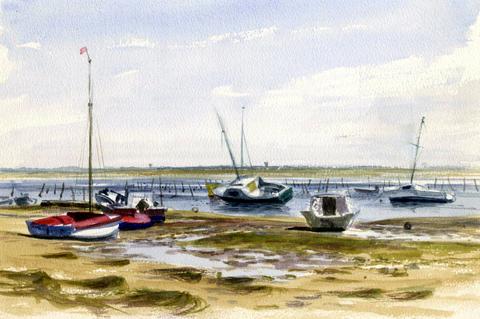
(417, 146)
(241, 141)
(90, 134)
(224, 132)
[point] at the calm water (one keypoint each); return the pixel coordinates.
(180, 197)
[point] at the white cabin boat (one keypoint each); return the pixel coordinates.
(330, 212)
(414, 193)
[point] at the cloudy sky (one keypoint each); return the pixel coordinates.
(323, 82)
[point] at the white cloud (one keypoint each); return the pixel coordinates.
(229, 37)
(312, 30)
(227, 91)
(380, 106)
(134, 42)
(30, 45)
(324, 30)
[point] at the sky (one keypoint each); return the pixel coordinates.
(327, 83)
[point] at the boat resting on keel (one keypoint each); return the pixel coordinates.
(330, 212)
(132, 219)
(252, 190)
(76, 225)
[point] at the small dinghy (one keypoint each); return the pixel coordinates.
(332, 212)
(24, 200)
(77, 225)
(367, 191)
(132, 219)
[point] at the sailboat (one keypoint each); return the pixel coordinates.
(79, 225)
(414, 193)
(248, 189)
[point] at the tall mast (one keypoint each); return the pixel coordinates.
(241, 141)
(224, 133)
(90, 129)
(417, 146)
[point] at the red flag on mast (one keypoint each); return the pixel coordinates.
(83, 50)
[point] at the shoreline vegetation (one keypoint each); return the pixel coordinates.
(91, 279)
(225, 172)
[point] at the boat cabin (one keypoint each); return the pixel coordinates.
(329, 204)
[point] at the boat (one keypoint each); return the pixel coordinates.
(24, 200)
(76, 225)
(247, 189)
(156, 214)
(330, 212)
(412, 193)
(79, 225)
(110, 198)
(253, 190)
(367, 191)
(132, 219)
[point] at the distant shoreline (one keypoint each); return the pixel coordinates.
(226, 172)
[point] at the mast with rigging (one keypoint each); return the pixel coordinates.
(417, 147)
(90, 129)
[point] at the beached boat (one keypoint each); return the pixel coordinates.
(24, 200)
(110, 198)
(244, 189)
(412, 193)
(332, 212)
(77, 225)
(253, 190)
(6, 200)
(132, 219)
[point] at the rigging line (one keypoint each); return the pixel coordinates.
(246, 148)
(101, 152)
(82, 155)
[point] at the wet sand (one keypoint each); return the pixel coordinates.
(437, 276)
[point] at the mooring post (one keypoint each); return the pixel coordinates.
(435, 183)
(475, 182)
(326, 185)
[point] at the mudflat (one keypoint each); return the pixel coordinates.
(211, 266)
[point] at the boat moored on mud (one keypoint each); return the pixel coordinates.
(253, 190)
(76, 225)
(330, 212)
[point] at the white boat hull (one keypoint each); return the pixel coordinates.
(337, 222)
(93, 233)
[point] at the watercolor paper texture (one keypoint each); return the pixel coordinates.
(239, 159)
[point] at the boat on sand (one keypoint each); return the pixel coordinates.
(330, 212)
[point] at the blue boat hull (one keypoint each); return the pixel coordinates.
(50, 231)
(134, 226)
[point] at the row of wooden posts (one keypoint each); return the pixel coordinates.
(326, 184)
(305, 186)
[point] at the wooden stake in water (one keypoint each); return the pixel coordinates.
(160, 188)
(41, 191)
(435, 183)
(464, 184)
(326, 185)
(73, 193)
(475, 182)
(61, 191)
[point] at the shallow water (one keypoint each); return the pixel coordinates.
(230, 263)
(371, 208)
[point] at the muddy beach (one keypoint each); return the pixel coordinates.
(210, 266)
